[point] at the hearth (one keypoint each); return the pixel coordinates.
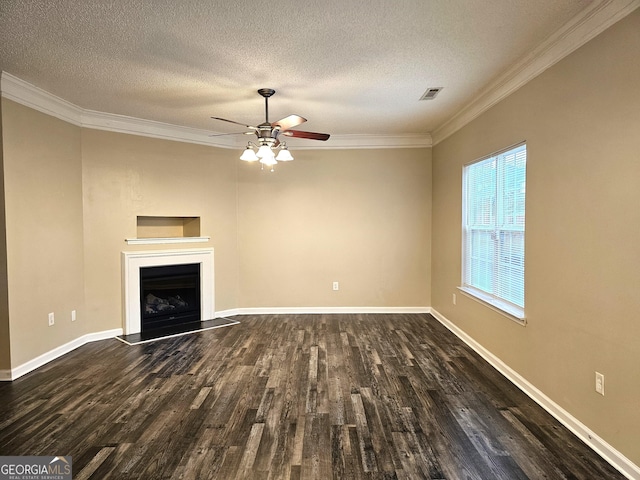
(169, 296)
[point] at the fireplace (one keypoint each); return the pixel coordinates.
(173, 278)
(169, 296)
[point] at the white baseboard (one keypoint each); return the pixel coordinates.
(318, 310)
(601, 447)
(14, 373)
(227, 313)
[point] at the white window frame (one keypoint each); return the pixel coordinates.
(490, 299)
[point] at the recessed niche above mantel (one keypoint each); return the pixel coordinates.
(159, 230)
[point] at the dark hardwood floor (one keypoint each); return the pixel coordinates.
(290, 396)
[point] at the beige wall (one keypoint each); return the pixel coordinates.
(5, 344)
(126, 176)
(359, 217)
(43, 201)
(581, 120)
(73, 195)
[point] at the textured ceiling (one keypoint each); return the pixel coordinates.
(349, 67)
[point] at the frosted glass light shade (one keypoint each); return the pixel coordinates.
(284, 155)
(264, 151)
(249, 155)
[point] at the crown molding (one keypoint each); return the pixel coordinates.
(575, 33)
(112, 122)
(33, 97)
(579, 30)
(366, 141)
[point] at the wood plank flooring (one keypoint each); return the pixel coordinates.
(290, 397)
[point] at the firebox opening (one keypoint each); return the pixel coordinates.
(169, 296)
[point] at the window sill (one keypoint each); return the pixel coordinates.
(510, 311)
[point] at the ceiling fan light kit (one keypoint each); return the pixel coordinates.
(267, 136)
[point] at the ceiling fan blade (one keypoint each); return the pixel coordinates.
(289, 122)
(309, 135)
(232, 133)
(237, 123)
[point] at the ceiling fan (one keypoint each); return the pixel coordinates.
(267, 134)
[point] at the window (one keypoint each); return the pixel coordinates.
(493, 230)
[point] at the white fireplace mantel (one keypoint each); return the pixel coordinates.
(133, 261)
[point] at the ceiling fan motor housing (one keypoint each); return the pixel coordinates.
(267, 133)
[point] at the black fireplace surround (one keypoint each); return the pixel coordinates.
(169, 296)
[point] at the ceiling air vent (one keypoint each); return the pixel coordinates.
(431, 93)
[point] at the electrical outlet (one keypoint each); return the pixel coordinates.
(600, 383)
(454, 298)
(51, 319)
(73, 315)
(336, 285)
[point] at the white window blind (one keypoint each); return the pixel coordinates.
(493, 227)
